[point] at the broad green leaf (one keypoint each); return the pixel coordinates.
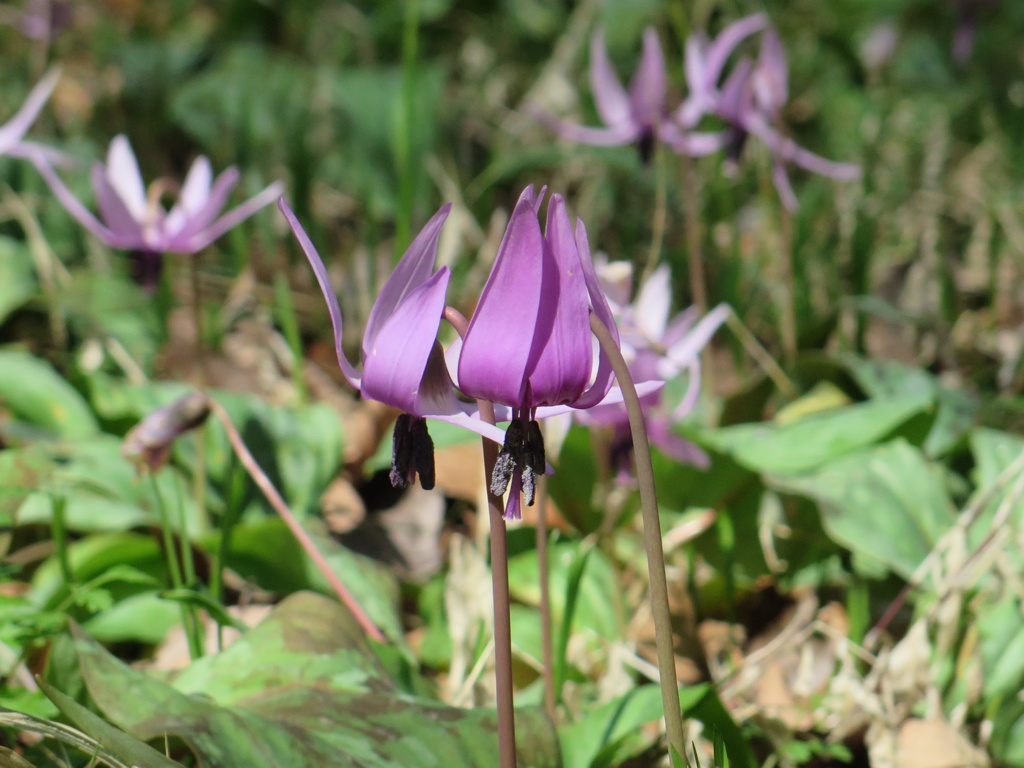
(302, 689)
(33, 392)
(142, 618)
(955, 409)
(816, 440)
(886, 503)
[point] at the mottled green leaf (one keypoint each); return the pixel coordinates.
(302, 689)
(33, 392)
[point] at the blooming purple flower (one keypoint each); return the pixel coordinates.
(537, 302)
(629, 117)
(12, 133)
(41, 20)
(750, 100)
(656, 347)
(134, 218)
(403, 364)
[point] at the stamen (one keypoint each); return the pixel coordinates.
(423, 453)
(503, 469)
(402, 458)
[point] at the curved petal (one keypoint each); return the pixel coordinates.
(561, 357)
(412, 270)
(195, 192)
(14, 129)
(72, 204)
(675, 446)
(112, 208)
(686, 350)
(610, 98)
(124, 176)
(507, 311)
(599, 304)
(735, 103)
(730, 37)
(395, 367)
(647, 88)
(788, 151)
(615, 136)
(653, 304)
(326, 288)
(231, 219)
(771, 78)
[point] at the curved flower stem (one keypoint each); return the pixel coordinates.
(279, 505)
(652, 539)
(499, 584)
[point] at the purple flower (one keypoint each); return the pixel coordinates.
(403, 364)
(134, 217)
(629, 117)
(12, 133)
(751, 101)
(529, 344)
(656, 347)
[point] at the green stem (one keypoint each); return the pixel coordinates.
(660, 212)
(232, 512)
(189, 619)
(652, 538)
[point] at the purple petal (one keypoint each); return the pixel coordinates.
(771, 79)
(113, 209)
(726, 43)
(14, 129)
(653, 304)
(562, 356)
(195, 192)
(124, 176)
(326, 288)
(693, 143)
(229, 220)
(599, 304)
(395, 366)
(660, 433)
(412, 270)
(686, 350)
(610, 98)
(736, 101)
(783, 186)
(73, 205)
(647, 89)
(513, 507)
(615, 136)
(496, 349)
(788, 150)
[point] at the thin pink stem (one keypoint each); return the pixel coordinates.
(278, 503)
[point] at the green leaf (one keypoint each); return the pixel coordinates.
(816, 440)
(17, 283)
(886, 504)
(303, 688)
(116, 742)
(32, 391)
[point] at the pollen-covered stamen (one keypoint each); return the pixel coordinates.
(509, 459)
